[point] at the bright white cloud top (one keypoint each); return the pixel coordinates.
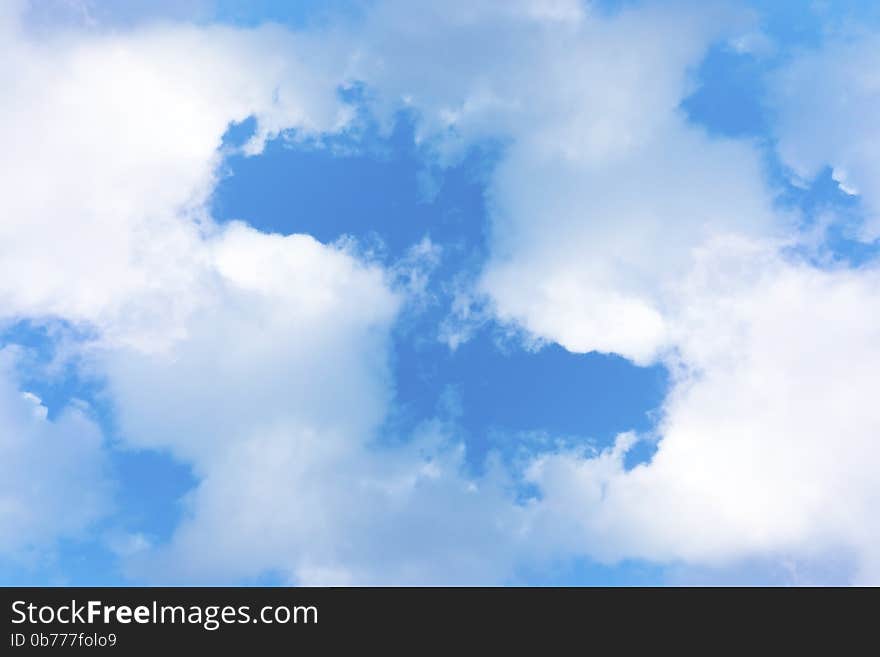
(262, 360)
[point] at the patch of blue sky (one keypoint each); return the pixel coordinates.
(505, 397)
(381, 190)
(374, 190)
(299, 14)
(584, 572)
(791, 23)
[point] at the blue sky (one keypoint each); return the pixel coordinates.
(421, 351)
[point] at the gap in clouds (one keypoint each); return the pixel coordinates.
(46, 366)
(580, 571)
(731, 99)
(729, 95)
(385, 192)
(832, 218)
(380, 189)
(510, 400)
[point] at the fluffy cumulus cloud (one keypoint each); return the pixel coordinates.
(53, 477)
(768, 437)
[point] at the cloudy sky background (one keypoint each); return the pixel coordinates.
(394, 292)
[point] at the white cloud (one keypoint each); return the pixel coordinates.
(53, 478)
(322, 508)
(768, 437)
(590, 256)
(291, 327)
(111, 143)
